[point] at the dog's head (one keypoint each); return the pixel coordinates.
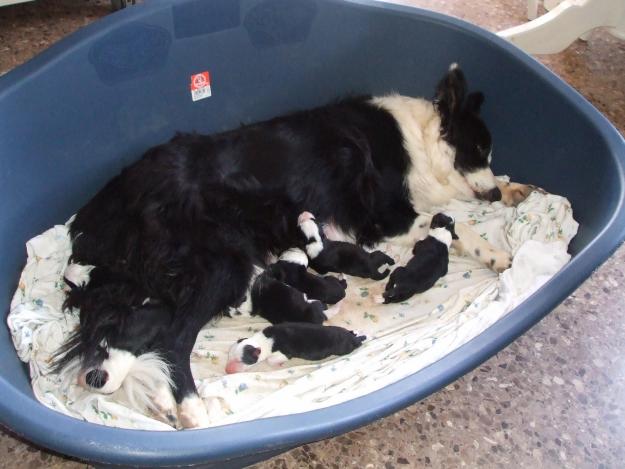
(464, 130)
(111, 342)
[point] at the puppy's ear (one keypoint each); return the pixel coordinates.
(450, 94)
(474, 102)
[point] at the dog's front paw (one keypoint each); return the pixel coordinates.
(513, 193)
(496, 260)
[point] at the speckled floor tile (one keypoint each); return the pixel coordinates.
(555, 398)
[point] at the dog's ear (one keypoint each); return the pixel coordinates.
(474, 102)
(450, 94)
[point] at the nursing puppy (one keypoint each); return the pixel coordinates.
(276, 344)
(278, 302)
(291, 268)
(339, 256)
(429, 262)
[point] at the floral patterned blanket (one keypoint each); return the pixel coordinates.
(402, 338)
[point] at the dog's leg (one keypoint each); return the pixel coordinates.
(191, 409)
(513, 193)
(472, 244)
(418, 230)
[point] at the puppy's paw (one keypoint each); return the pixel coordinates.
(381, 263)
(378, 299)
(192, 412)
(359, 338)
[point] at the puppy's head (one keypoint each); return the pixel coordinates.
(465, 131)
(248, 352)
(243, 354)
(440, 220)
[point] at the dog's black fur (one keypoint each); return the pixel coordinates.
(185, 225)
(327, 289)
(430, 262)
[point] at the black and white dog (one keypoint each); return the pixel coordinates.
(277, 344)
(430, 262)
(180, 232)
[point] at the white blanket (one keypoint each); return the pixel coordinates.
(403, 338)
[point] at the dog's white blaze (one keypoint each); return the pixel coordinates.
(295, 256)
(117, 365)
(78, 274)
(431, 179)
(441, 234)
(192, 412)
(482, 180)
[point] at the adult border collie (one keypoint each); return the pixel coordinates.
(176, 237)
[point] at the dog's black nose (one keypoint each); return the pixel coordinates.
(492, 195)
(96, 378)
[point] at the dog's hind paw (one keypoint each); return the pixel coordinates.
(192, 412)
(165, 405)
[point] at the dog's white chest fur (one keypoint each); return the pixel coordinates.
(432, 179)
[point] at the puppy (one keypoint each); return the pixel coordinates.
(276, 344)
(277, 302)
(429, 262)
(339, 256)
(291, 268)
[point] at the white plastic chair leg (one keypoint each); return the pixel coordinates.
(556, 30)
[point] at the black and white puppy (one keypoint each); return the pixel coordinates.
(291, 268)
(339, 256)
(430, 262)
(278, 302)
(276, 344)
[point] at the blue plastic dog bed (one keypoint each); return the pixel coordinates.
(76, 114)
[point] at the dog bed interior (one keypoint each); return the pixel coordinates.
(402, 338)
(91, 104)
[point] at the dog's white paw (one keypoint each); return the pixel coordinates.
(192, 412)
(497, 260)
(165, 405)
(378, 299)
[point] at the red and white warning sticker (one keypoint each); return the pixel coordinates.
(200, 86)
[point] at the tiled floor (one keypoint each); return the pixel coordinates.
(554, 398)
